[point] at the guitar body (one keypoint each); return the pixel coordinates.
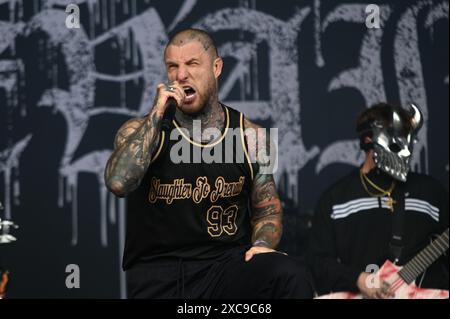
(389, 273)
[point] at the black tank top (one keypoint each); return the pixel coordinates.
(192, 210)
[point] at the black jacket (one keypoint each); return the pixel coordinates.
(352, 230)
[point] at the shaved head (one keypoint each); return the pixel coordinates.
(190, 35)
(191, 59)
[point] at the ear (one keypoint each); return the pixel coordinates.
(217, 67)
(367, 140)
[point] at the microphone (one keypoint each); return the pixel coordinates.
(169, 114)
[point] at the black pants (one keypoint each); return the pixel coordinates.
(268, 275)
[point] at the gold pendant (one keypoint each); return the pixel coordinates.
(391, 202)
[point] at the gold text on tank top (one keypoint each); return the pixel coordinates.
(202, 190)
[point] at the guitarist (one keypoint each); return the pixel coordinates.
(380, 211)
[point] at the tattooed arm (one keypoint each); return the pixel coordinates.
(266, 218)
(267, 213)
(135, 143)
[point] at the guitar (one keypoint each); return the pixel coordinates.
(402, 279)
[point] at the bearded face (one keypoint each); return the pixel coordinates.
(196, 70)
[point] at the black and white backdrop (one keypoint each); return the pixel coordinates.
(306, 68)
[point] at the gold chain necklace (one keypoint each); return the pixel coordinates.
(383, 192)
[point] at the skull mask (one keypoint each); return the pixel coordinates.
(393, 145)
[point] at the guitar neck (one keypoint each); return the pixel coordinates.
(424, 259)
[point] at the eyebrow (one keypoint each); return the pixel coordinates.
(187, 62)
(193, 60)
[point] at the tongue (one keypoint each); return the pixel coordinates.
(190, 96)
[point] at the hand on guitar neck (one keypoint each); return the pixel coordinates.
(364, 286)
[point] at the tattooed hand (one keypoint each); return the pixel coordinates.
(257, 250)
(135, 143)
(166, 91)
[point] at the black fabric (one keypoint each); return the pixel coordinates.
(269, 275)
(182, 226)
(340, 249)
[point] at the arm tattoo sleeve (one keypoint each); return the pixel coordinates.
(266, 205)
(133, 149)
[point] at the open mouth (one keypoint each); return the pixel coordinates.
(188, 90)
(190, 94)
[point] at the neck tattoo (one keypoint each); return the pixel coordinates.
(211, 116)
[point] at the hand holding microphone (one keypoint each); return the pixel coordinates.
(165, 93)
(168, 98)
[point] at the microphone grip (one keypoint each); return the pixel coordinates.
(169, 114)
